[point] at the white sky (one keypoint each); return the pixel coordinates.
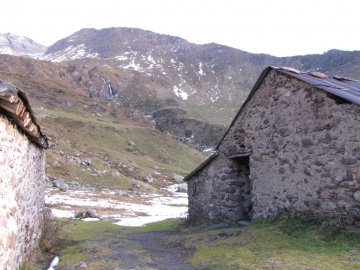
(276, 27)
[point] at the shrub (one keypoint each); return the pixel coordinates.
(52, 236)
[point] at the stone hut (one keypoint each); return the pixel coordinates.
(22, 171)
(294, 146)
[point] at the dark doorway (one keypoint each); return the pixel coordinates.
(244, 186)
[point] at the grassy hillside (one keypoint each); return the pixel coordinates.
(120, 142)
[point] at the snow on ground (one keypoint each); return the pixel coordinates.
(155, 208)
(180, 93)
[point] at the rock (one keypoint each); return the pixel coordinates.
(136, 185)
(348, 161)
(80, 265)
(91, 213)
(68, 103)
(315, 202)
(73, 185)
(357, 195)
(115, 174)
(178, 178)
(341, 175)
(123, 193)
(60, 183)
(243, 222)
(182, 188)
(148, 178)
(76, 160)
(306, 143)
(86, 161)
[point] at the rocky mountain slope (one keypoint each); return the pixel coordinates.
(95, 142)
(19, 45)
(166, 71)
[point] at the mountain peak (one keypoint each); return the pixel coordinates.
(20, 46)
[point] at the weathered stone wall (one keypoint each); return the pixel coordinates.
(305, 156)
(221, 190)
(22, 171)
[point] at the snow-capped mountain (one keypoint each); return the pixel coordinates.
(20, 46)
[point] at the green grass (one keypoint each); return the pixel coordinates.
(280, 245)
(283, 244)
(79, 232)
(132, 146)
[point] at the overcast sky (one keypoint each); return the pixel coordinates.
(276, 27)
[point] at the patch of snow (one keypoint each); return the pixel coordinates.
(121, 58)
(158, 207)
(208, 150)
(180, 93)
(139, 221)
(201, 72)
(54, 262)
(71, 53)
(62, 213)
(91, 219)
(7, 51)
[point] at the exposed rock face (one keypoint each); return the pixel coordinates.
(303, 148)
(22, 170)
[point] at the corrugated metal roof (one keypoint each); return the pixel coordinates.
(15, 105)
(339, 86)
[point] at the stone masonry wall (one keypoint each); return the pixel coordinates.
(221, 190)
(22, 171)
(306, 150)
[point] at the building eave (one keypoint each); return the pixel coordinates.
(15, 106)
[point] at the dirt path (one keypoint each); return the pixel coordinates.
(162, 257)
(137, 251)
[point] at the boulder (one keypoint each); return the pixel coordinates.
(136, 185)
(86, 161)
(178, 178)
(60, 183)
(91, 213)
(148, 178)
(115, 174)
(182, 188)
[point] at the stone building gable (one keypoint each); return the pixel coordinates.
(303, 151)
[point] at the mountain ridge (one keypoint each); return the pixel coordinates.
(143, 71)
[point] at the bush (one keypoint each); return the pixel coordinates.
(52, 236)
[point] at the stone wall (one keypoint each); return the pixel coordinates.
(221, 190)
(305, 153)
(22, 170)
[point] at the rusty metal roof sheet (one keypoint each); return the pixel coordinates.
(15, 105)
(339, 86)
